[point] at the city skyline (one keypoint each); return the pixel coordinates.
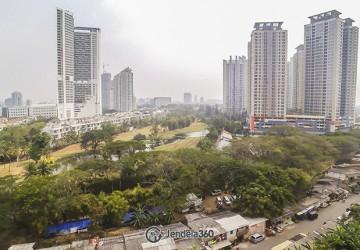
(155, 72)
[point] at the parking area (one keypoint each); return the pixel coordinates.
(209, 203)
(329, 213)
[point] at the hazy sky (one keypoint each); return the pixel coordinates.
(173, 46)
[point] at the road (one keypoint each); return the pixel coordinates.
(325, 214)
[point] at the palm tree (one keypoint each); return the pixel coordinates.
(140, 218)
(154, 218)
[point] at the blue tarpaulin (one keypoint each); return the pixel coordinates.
(67, 226)
(128, 217)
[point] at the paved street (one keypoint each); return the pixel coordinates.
(325, 214)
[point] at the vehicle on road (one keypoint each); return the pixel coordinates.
(216, 192)
(256, 238)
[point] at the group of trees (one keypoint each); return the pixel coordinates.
(23, 142)
(217, 123)
(176, 122)
(289, 147)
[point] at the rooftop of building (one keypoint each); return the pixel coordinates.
(163, 244)
(134, 239)
(268, 25)
(78, 28)
(230, 220)
(346, 171)
(300, 47)
(325, 16)
(348, 21)
(236, 58)
(206, 223)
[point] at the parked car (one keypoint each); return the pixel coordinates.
(339, 219)
(347, 213)
(269, 232)
(256, 238)
(313, 215)
(216, 192)
(227, 200)
(278, 229)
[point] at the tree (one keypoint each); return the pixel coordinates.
(213, 134)
(71, 138)
(5, 152)
(119, 148)
(205, 144)
(115, 206)
(102, 175)
(140, 218)
(154, 135)
(92, 140)
(139, 137)
(137, 196)
(35, 204)
(40, 145)
(256, 200)
(44, 166)
(108, 130)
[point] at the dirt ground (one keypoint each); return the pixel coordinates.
(209, 204)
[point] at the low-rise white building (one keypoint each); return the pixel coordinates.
(162, 101)
(43, 110)
(35, 110)
(59, 129)
(16, 112)
(234, 224)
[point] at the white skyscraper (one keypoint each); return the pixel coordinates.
(78, 56)
(267, 71)
(65, 63)
(107, 92)
(296, 80)
(235, 86)
(290, 86)
(349, 70)
(123, 91)
(87, 71)
(330, 66)
(323, 54)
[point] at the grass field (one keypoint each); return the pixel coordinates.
(190, 142)
(15, 168)
(68, 150)
(127, 136)
(194, 127)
